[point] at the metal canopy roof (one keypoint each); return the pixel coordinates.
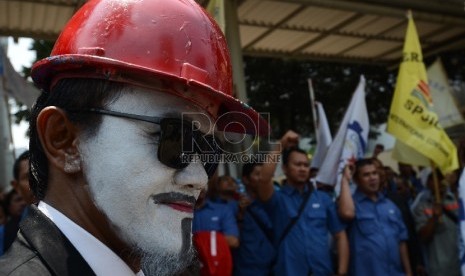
(40, 19)
(335, 30)
(353, 31)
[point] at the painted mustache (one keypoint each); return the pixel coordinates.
(167, 198)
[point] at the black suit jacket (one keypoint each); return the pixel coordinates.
(41, 249)
(11, 228)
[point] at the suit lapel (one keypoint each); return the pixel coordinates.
(55, 250)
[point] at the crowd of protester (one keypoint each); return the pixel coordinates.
(381, 223)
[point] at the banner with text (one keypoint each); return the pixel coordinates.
(412, 119)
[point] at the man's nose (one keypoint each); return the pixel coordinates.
(193, 176)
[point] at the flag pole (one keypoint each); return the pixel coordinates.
(10, 124)
(312, 103)
(409, 14)
(437, 195)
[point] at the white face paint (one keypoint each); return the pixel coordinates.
(125, 176)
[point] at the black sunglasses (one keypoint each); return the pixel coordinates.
(180, 143)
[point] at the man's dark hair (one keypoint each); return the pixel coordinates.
(68, 94)
(16, 165)
(7, 201)
(248, 168)
(287, 152)
(362, 163)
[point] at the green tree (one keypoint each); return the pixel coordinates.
(279, 87)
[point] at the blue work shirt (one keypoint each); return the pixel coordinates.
(215, 217)
(306, 248)
(233, 204)
(375, 235)
(256, 252)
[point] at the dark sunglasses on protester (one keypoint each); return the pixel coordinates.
(179, 140)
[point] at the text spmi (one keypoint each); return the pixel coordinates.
(425, 115)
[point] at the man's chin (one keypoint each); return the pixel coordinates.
(164, 259)
(164, 263)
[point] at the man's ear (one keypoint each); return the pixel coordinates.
(58, 136)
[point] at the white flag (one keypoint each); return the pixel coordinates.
(324, 138)
(350, 141)
(444, 104)
(14, 84)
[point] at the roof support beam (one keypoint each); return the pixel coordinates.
(277, 26)
(313, 57)
(454, 14)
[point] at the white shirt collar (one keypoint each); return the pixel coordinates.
(101, 259)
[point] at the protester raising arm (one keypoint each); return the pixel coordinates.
(266, 188)
(346, 207)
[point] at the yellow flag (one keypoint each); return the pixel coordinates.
(216, 10)
(412, 119)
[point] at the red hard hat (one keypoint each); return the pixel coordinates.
(151, 43)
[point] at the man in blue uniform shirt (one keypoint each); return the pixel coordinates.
(305, 249)
(256, 253)
(377, 233)
(211, 216)
(215, 233)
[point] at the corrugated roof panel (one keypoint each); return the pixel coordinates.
(425, 28)
(318, 18)
(451, 32)
(284, 40)
(27, 12)
(50, 20)
(393, 56)
(397, 32)
(361, 22)
(246, 7)
(39, 17)
(250, 33)
(372, 48)
(379, 25)
(14, 15)
(46, 18)
(62, 17)
(3, 14)
(332, 44)
(265, 12)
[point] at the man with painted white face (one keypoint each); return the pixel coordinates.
(132, 96)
